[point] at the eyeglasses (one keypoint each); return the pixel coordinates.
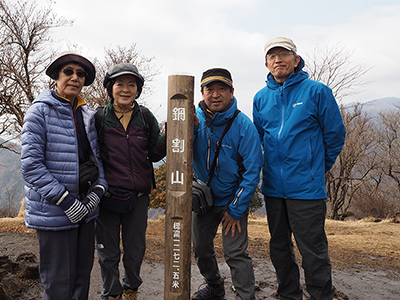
(281, 54)
(79, 73)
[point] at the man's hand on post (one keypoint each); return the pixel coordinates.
(195, 118)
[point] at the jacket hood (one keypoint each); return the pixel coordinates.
(301, 65)
(50, 97)
(298, 69)
(45, 97)
(292, 78)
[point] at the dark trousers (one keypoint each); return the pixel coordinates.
(66, 260)
(204, 229)
(132, 227)
(306, 220)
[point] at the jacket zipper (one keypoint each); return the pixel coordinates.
(127, 140)
(279, 140)
(208, 153)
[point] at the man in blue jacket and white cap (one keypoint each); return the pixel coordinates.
(302, 133)
(233, 183)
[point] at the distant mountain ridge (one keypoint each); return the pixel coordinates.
(10, 177)
(374, 107)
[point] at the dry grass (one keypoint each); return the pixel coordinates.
(350, 243)
(14, 224)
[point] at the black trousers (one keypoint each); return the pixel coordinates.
(66, 261)
(305, 219)
(131, 226)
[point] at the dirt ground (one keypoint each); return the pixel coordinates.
(365, 256)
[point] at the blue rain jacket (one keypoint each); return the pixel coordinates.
(301, 131)
(239, 162)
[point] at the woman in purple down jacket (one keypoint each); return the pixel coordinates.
(58, 137)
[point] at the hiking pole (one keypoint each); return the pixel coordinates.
(179, 177)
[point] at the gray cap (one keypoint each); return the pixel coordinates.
(280, 42)
(123, 69)
(119, 70)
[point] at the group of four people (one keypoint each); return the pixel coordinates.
(296, 120)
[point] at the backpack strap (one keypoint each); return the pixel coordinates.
(148, 119)
(99, 121)
(219, 143)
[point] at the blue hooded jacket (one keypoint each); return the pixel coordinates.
(50, 162)
(301, 131)
(239, 162)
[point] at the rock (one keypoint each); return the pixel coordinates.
(397, 218)
(350, 218)
(26, 257)
(29, 271)
(16, 276)
(10, 286)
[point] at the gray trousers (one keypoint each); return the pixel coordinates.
(204, 229)
(306, 220)
(131, 226)
(66, 260)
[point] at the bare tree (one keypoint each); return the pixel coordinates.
(376, 202)
(379, 193)
(24, 37)
(354, 164)
(389, 144)
(25, 53)
(96, 94)
(10, 210)
(334, 67)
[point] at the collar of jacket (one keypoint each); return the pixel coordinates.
(110, 112)
(298, 76)
(219, 117)
(79, 99)
(292, 79)
(110, 106)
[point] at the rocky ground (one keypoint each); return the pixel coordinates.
(365, 257)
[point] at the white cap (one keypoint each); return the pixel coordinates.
(280, 42)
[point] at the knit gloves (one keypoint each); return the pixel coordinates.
(76, 210)
(73, 208)
(93, 198)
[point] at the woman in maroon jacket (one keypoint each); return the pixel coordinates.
(130, 141)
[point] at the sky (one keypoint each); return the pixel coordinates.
(191, 36)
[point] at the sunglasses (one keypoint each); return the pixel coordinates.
(70, 72)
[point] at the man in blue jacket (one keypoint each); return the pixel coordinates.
(235, 178)
(302, 133)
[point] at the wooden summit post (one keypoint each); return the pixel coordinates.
(179, 177)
